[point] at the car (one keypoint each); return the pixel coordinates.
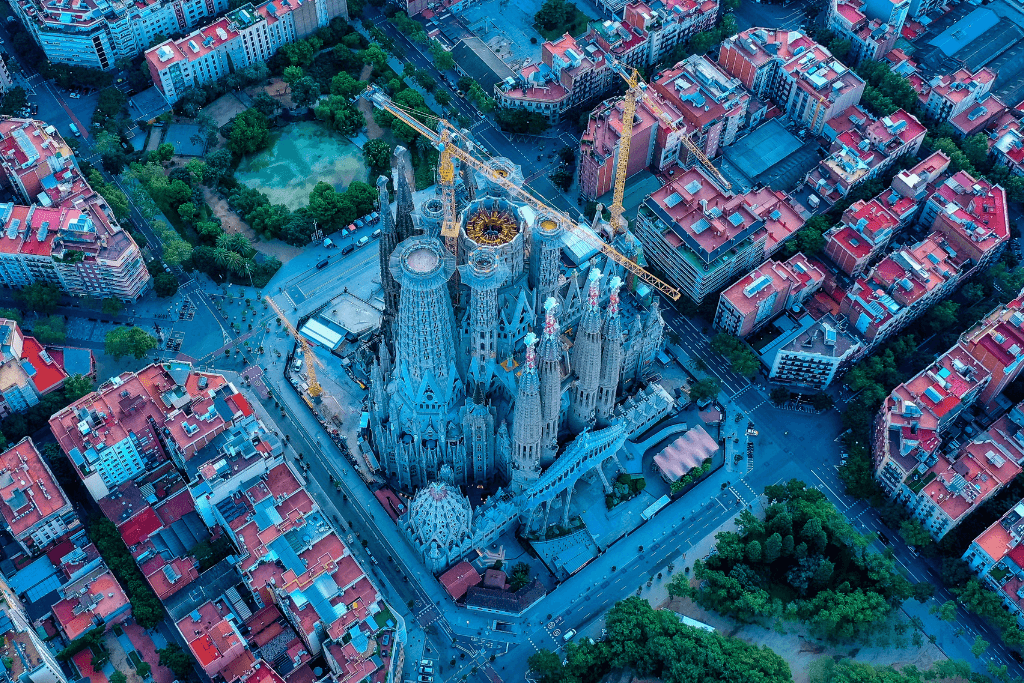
(426, 662)
(375, 234)
(74, 95)
(322, 264)
(358, 223)
(385, 639)
(884, 539)
(427, 670)
(569, 635)
(913, 550)
(426, 679)
(348, 249)
(539, 157)
(362, 241)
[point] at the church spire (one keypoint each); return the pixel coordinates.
(550, 377)
(586, 360)
(388, 242)
(611, 357)
(401, 171)
(527, 426)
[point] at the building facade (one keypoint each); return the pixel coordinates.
(245, 36)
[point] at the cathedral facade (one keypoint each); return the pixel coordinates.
(492, 360)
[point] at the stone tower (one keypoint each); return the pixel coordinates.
(527, 427)
(550, 379)
(483, 274)
(611, 357)
(478, 430)
(545, 255)
(425, 329)
(586, 361)
(388, 242)
(401, 172)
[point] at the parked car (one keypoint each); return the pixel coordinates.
(362, 241)
(375, 234)
(569, 635)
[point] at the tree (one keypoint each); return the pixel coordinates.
(780, 396)
(49, 330)
(188, 212)
(521, 121)
(164, 152)
(914, 534)
(443, 59)
(112, 306)
(923, 591)
(520, 576)
(292, 74)
(175, 659)
(250, 132)
(704, 389)
(546, 666)
(375, 56)
(343, 85)
(41, 297)
(128, 341)
(176, 251)
(979, 646)
(754, 551)
(562, 179)
(118, 677)
(772, 548)
(305, 91)
(942, 316)
(377, 154)
(11, 314)
(265, 104)
(165, 284)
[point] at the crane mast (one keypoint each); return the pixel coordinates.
(442, 140)
(628, 115)
(307, 352)
(636, 87)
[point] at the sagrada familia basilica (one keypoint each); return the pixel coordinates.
(502, 366)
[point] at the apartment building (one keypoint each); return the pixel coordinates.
(901, 287)
(97, 33)
(135, 421)
(911, 423)
(701, 237)
(997, 557)
(65, 233)
(947, 95)
(34, 662)
(244, 36)
(765, 292)
(667, 24)
(27, 371)
(863, 147)
(712, 104)
(871, 37)
(972, 214)
(95, 599)
(702, 104)
(958, 484)
(574, 72)
(812, 353)
(35, 510)
(795, 72)
(864, 232)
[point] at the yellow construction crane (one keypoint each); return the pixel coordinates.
(618, 222)
(444, 139)
(307, 350)
(637, 86)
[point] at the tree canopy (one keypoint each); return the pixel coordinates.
(129, 341)
(657, 644)
(803, 560)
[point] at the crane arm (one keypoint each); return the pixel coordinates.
(635, 82)
(377, 96)
(307, 351)
(628, 115)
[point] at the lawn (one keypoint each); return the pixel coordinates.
(575, 24)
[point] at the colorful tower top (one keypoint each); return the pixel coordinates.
(593, 294)
(613, 296)
(550, 321)
(531, 353)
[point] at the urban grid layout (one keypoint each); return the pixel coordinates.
(478, 341)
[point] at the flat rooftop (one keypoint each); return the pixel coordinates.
(770, 155)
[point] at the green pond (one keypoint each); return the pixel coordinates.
(301, 155)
